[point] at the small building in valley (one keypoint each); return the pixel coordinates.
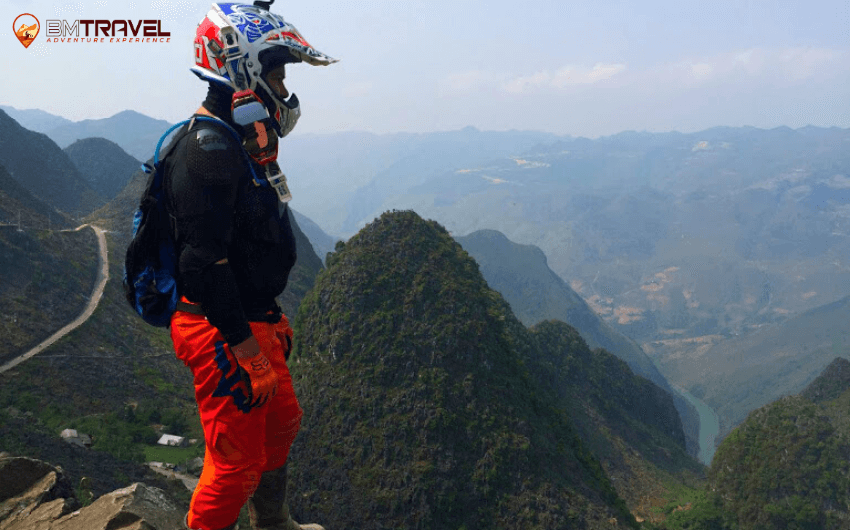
(172, 440)
(79, 439)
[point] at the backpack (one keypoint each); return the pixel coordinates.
(150, 265)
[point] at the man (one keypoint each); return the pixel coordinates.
(235, 249)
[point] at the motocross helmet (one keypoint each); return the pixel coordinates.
(238, 45)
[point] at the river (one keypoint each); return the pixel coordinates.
(709, 425)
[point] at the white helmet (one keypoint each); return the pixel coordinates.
(236, 45)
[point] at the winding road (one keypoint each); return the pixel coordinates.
(94, 300)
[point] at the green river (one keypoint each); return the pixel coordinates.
(709, 425)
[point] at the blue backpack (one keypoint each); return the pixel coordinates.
(150, 265)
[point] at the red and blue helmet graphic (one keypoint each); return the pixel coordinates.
(251, 21)
(255, 30)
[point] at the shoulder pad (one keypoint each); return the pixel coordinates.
(211, 140)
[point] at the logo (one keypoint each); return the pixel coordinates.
(211, 141)
(26, 28)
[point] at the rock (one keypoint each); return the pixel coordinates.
(137, 507)
(36, 496)
(25, 484)
(195, 466)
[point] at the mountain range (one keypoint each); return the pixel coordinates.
(434, 400)
(44, 170)
(19, 206)
(678, 241)
(135, 133)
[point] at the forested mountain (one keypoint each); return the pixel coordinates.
(47, 277)
(829, 385)
(105, 166)
(321, 242)
(438, 408)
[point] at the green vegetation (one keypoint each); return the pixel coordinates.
(787, 466)
(47, 278)
(172, 455)
(112, 378)
(420, 407)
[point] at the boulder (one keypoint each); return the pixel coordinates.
(36, 496)
(26, 484)
(136, 507)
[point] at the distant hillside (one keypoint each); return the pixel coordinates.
(117, 214)
(739, 375)
(829, 385)
(38, 164)
(358, 172)
(667, 236)
(18, 204)
(35, 119)
(135, 133)
(629, 423)
(322, 243)
(303, 275)
(105, 166)
(443, 411)
(521, 274)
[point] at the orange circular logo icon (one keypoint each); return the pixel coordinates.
(26, 28)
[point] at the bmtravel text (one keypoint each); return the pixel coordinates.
(106, 28)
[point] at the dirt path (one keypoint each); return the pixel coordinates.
(188, 480)
(97, 293)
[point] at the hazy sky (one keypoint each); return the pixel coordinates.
(579, 68)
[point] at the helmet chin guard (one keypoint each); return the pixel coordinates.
(286, 115)
(260, 139)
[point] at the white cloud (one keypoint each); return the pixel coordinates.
(565, 77)
(790, 64)
(602, 71)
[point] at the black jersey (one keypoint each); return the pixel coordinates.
(219, 213)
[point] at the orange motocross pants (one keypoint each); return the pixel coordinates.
(241, 442)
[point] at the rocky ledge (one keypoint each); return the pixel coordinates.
(37, 496)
